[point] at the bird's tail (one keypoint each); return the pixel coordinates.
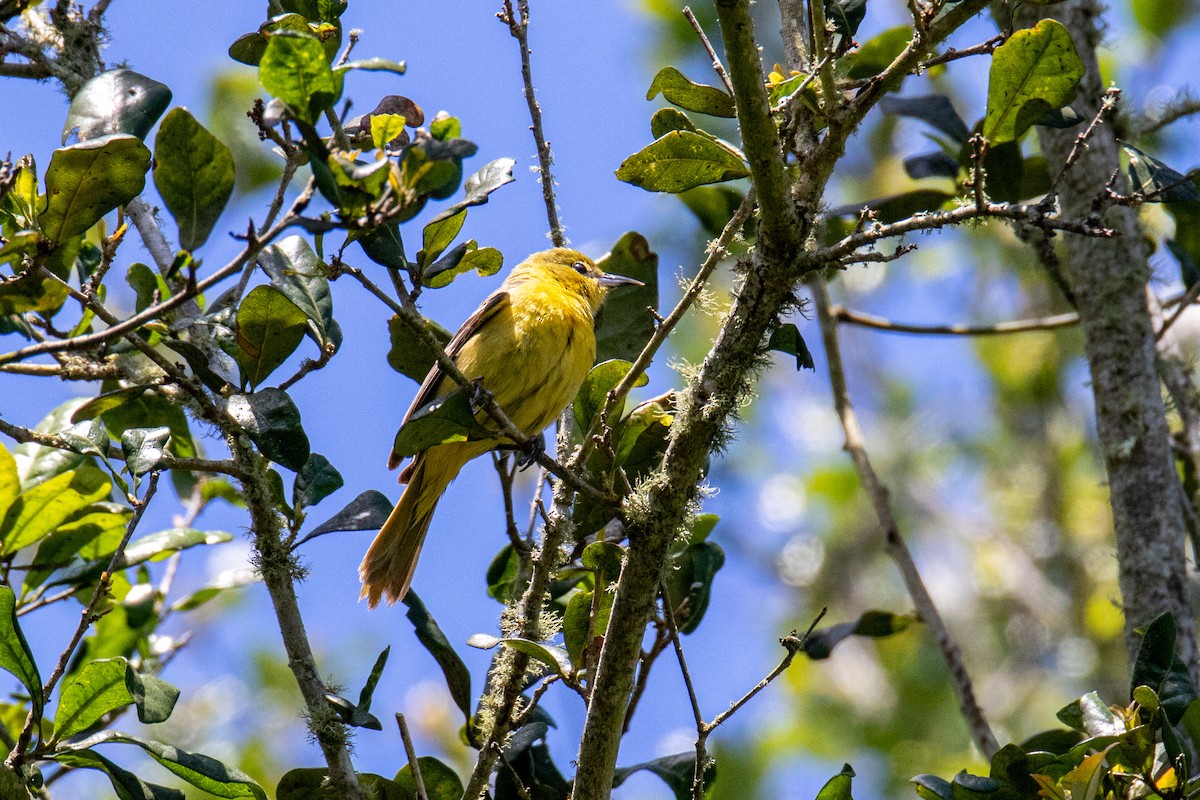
(387, 569)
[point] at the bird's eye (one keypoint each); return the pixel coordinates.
(580, 267)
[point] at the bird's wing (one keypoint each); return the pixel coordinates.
(429, 387)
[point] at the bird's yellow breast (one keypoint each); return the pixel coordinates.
(534, 353)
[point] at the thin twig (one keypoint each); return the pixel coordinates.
(848, 315)
(717, 66)
(518, 26)
(717, 250)
(981, 732)
(86, 618)
(411, 753)
(1107, 104)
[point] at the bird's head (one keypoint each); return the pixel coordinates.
(577, 274)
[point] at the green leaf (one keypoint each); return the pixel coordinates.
(440, 781)
(437, 236)
(296, 70)
(193, 171)
(368, 690)
(463, 258)
(127, 785)
(117, 101)
(269, 329)
(643, 434)
(88, 534)
(676, 771)
(10, 481)
(875, 624)
(154, 547)
(87, 180)
(1158, 666)
(458, 678)
(446, 419)
(96, 689)
(684, 93)
(551, 655)
(154, 698)
(1159, 182)
(375, 64)
(384, 246)
(144, 448)
(295, 270)
(199, 770)
(272, 422)
(669, 119)
(580, 625)
(787, 339)
(626, 321)
(1036, 71)
(42, 508)
(714, 206)
(366, 512)
(1091, 715)
(838, 787)
(599, 382)
(15, 655)
(876, 54)
(35, 462)
(309, 783)
(679, 161)
(315, 481)
(136, 407)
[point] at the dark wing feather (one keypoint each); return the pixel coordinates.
(428, 391)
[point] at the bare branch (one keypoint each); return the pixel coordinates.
(717, 66)
(843, 314)
(981, 732)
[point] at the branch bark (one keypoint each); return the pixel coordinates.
(1108, 279)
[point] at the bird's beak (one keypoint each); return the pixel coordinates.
(610, 281)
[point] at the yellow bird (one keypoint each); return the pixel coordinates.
(531, 344)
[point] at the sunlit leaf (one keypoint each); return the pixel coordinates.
(681, 160)
(677, 89)
(87, 180)
(193, 172)
(1034, 72)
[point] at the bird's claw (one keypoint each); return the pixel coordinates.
(530, 452)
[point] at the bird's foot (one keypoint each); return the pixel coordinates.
(529, 453)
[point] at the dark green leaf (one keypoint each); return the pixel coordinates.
(533, 774)
(272, 422)
(1035, 72)
(931, 165)
(148, 284)
(368, 690)
(626, 321)
(714, 206)
(669, 119)
(846, 15)
(15, 655)
(931, 787)
(458, 678)
(1159, 182)
(144, 448)
(193, 172)
(1188, 270)
(689, 584)
(440, 781)
(409, 354)
(463, 258)
(875, 624)
(384, 246)
(117, 101)
(478, 187)
(296, 70)
(366, 512)
(684, 93)
(681, 160)
(154, 698)
(1159, 667)
(438, 235)
(787, 339)
(1091, 715)
(199, 770)
(127, 785)
(551, 655)
(446, 419)
(269, 329)
(677, 772)
(40, 462)
(935, 110)
(315, 481)
(87, 180)
(643, 434)
(1065, 117)
(296, 271)
(1057, 741)
(309, 783)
